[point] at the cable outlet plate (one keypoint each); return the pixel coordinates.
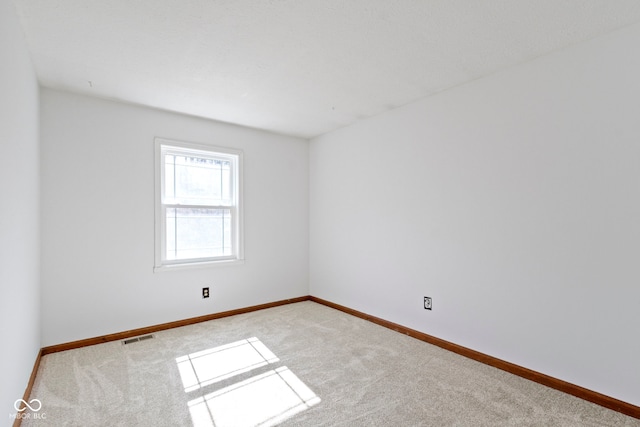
(428, 304)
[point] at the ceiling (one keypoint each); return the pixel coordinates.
(296, 67)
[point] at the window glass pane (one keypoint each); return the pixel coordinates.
(197, 180)
(198, 233)
(169, 176)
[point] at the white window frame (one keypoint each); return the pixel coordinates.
(163, 145)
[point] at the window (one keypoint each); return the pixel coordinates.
(198, 204)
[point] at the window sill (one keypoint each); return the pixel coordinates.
(193, 265)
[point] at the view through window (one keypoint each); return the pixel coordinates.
(198, 209)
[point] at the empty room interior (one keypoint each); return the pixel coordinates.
(409, 213)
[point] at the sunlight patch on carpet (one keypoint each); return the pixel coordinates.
(216, 364)
(263, 400)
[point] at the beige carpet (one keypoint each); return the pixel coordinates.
(296, 365)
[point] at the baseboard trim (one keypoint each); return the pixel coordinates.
(27, 392)
(555, 383)
(163, 326)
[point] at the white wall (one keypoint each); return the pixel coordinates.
(19, 213)
(513, 201)
(98, 219)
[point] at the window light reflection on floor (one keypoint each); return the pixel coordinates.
(264, 399)
(216, 364)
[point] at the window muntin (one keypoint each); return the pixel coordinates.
(198, 213)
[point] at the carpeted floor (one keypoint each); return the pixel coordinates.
(301, 364)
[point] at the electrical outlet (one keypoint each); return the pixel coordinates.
(428, 305)
(205, 292)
